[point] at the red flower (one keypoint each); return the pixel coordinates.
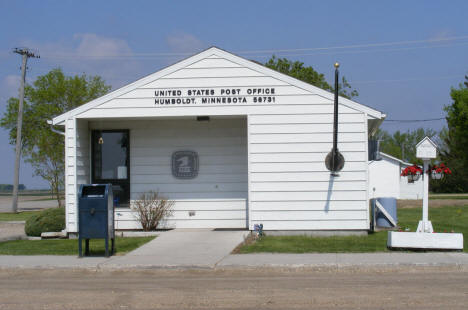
(411, 170)
(442, 168)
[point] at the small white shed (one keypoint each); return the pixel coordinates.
(385, 179)
(232, 142)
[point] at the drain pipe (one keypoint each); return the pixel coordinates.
(53, 129)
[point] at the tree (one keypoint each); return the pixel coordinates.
(9, 187)
(455, 153)
(50, 95)
(403, 144)
(297, 70)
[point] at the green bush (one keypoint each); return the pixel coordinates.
(46, 220)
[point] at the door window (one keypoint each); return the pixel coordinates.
(111, 162)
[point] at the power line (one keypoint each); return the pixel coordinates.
(282, 51)
(365, 51)
(408, 79)
(414, 120)
(358, 45)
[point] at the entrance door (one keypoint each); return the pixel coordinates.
(111, 162)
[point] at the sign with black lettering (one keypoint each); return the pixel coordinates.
(184, 164)
(242, 95)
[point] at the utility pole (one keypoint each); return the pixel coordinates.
(25, 53)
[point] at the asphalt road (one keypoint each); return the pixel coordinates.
(27, 203)
(374, 288)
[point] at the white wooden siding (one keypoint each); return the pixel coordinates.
(197, 73)
(214, 63)
(301, 176)
(413, 190)
(288, 185)
(215, 82)
(299, 224)
(146, 109)
(83, 152)
(77, 169)
(70, 176)
(218, 195)
(301, 157)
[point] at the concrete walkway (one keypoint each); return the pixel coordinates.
(237, 261)
(202, 248)
(345, 259)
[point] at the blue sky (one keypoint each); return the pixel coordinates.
(408, 80)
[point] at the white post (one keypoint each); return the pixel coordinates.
(425, 225)
(425, 217)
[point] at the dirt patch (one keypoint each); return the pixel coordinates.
(250, 239)
(433, 203)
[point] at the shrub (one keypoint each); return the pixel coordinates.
(151, 209)
(46, 220)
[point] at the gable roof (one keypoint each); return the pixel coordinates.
(372, 113)
(395, 159)
(426, 138)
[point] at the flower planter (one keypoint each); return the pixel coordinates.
(413, 177)
(439, 171)
(437, 175)
(412, 172)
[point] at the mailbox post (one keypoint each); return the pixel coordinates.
(424, 237)
(426, 150)
(96, 216)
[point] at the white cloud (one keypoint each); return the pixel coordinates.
(92, 54)
(109, 57)
(442, 34)
(82, 45)
(97, 46)
(184, 43)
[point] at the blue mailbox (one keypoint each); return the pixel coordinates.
(96, 215)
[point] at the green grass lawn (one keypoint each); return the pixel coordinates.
(20, 216)
(444, 219)
(68, 246)
(46, 199)
(445, 197)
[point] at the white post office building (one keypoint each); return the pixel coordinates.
(232, 142)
